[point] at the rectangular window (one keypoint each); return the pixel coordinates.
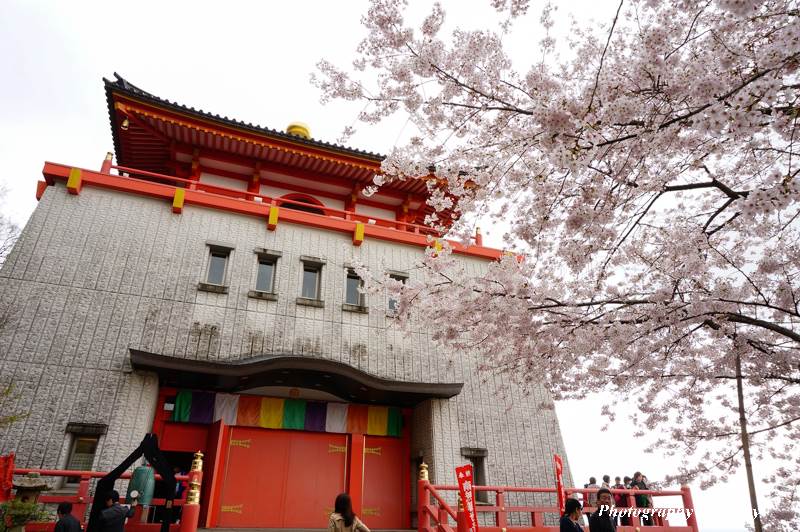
(81, 456)
(352, 285)
(217, 264)
(266, 274)
(311, 278)
(477, 458)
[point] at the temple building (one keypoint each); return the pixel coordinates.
(200, 285)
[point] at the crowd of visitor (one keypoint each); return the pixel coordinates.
(594, 501)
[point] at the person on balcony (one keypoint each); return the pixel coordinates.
(570, 521)
(343, 519)
(66, 521)
(601, 520)
(621, 500)
(643, 500)
(112, 517)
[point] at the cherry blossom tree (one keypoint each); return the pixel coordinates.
(8, 232)
(648, 180)
(8, 235)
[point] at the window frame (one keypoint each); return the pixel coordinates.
(77, 432)
(217, 248)
(271, 256)
(478, 458)
(350, 274)
(315, 264)
(397, 276)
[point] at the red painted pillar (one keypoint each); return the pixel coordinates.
(686, 495)
(190, 514)
(106, 166)
(6, 476)
(79, 509)
(423, 500)
(501, 517)
(355, 486)
(461, 521)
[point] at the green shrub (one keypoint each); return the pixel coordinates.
(15, 513)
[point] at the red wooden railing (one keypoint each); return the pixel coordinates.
(434, 514)
(251, 196)
(81, 500)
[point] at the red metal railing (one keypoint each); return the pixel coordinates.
(434, 513)
(81, 500)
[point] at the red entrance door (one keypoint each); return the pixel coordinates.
(385, 501)
(281, 478)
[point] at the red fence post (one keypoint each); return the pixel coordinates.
(461, 521)
(686, 495)
(79, 509)
(6, 476)
(500, 517)
(190, 514)
(105, 168)
(634, 521)
(423, 500)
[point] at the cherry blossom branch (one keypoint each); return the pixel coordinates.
(602, 58)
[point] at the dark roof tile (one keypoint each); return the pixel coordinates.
(122, 85)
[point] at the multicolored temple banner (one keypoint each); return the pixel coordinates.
(278, 413)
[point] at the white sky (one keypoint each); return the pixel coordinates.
(251, 61)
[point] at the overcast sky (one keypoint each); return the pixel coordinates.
(250, 61)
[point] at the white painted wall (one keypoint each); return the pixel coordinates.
(220, 181)
(374, 212)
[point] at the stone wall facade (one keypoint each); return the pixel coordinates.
(96, 274)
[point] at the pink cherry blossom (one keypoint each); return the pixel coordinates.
(649, 178)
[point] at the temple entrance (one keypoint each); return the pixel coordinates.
(281, 478)
(385, 465)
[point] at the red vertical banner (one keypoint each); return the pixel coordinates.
(467, 494)
(560, 496)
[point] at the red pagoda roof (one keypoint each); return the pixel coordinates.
(157, 128)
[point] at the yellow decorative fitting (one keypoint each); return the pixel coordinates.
(375, 512)
(193, 496)
(232, 508)
(272, 223)
(74, 181)
(241, 443)
(372, 450)
(197, 463)
(177, 200)
(423, 471)
(437, 245)
(337, 448)
(358, 234)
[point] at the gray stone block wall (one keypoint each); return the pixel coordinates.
(96, 274)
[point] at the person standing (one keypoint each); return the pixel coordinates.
(606, 482)
(572, 515)
(112, 517)
(66, 521)
(343, 519)
(642, 500)
(601, 520)
(591, 498)
(620, 500)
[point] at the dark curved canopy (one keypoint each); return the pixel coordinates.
(339, 379)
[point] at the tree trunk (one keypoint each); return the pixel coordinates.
(748, 465)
